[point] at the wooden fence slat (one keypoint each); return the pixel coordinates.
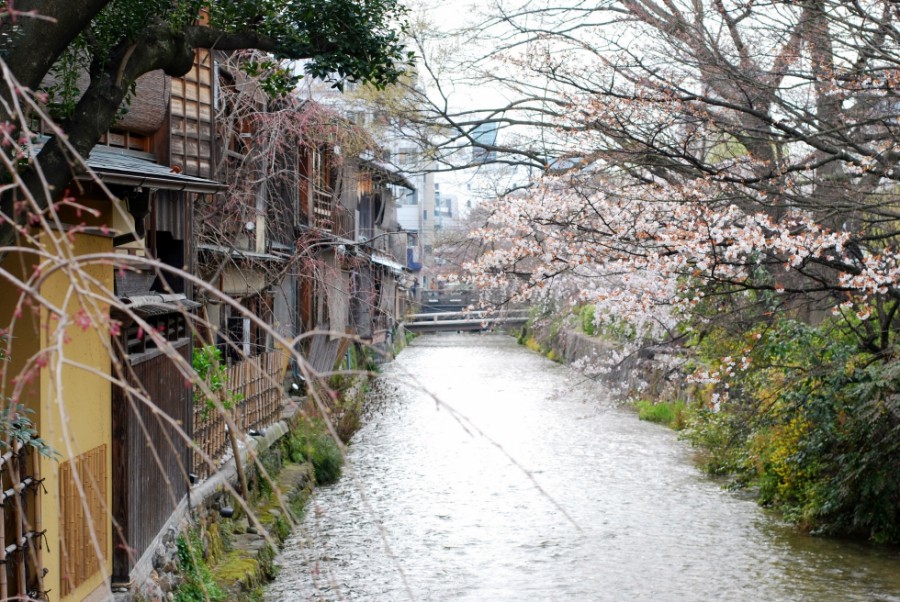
(258, 381)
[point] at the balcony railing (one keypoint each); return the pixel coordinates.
(331, 217)
(323, 217)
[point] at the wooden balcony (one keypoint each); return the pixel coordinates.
(331, 217)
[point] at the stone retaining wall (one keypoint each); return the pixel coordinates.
(647, 373)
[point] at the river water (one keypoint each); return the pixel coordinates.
(485, 472)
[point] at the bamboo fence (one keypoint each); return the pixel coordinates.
(257, 382)
(21, 534)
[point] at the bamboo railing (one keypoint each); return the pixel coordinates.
(21, 534)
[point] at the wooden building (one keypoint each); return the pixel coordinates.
(104, 366)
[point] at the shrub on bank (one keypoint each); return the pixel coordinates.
(806, 416)
(531, 343)
(312, 442)
(197, 583)
(668, 413)
(588, 325)
(811, 421)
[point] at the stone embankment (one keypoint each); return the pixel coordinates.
(212, 532)
(220, 547)
(649, 372)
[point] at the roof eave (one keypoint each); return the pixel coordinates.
(132, 179)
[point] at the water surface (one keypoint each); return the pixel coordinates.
(486, 472)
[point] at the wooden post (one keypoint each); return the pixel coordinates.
(235, 450)
(38, 521)
(15, 481)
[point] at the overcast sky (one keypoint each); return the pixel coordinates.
(447, 16)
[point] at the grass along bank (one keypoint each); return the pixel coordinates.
(672, 414)
(228, 553)
(238, 561)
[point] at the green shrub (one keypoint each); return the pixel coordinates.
(271, 464)
(532, 344)
(280, 528)
(311, 442)
(368, 360)
(720, 436)
(197, 583)
(348, 419)
(522, 336)
(587, 320)
(210, 369)
(812, 422)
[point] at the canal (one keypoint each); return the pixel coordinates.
(485, 472)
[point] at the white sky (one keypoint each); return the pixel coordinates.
(446, 16)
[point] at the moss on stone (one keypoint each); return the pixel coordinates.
(233, 557)
(215, 546)
(239, 570)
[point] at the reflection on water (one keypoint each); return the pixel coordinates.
(487, 473)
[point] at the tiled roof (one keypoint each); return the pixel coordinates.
(116, 166)
(153, 304)
(387, 262)
(241, 253)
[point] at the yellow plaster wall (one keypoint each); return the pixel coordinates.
(71, 403)
(76, 393)
(24, 330)
(21, 378)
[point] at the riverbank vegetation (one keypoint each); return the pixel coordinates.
(228, 555)
(228, 549)
(795, 412)
(668, 413)
(809, 419)
(313, 442)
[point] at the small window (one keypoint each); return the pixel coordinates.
(424, 215)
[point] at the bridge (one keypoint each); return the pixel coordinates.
(464, 321)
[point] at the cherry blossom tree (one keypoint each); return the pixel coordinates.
(688, 149)
(719, 176)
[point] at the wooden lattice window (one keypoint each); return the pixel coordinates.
(192, 118)
(321, 202)
(170, 327)
(127, 140)
(83, 519)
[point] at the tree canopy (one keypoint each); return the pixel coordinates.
(117, 41)
(686, 146)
